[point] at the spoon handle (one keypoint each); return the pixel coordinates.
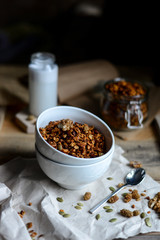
(92, 210)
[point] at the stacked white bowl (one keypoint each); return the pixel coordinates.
(68, 171)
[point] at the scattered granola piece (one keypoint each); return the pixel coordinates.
(33, 234)
(149, 212)
(148, 198)
(143, 194)
(126, 213)
(127, 197)
(120, 185)
(135, 195)
(29, 225)
(41, 235)
(21, 213)
(87, 196)
(133, 206)
(136, 213)
(113, 199)
(29, 204)
(135, 164)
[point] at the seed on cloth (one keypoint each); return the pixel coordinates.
(109, 210)
(142, 215)
(148, 222)
(98, 216)
(112, 189)
(66, 215)
(80, 204)
(59, 199)
(113, 220)
(78, 207)
(110, 178)
(106, 207)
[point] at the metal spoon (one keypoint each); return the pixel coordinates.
(133, 178)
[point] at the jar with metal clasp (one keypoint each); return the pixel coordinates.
(124, 104)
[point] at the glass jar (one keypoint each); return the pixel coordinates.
(124, 104)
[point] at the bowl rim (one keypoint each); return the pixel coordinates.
(69, 166)
(84, 111)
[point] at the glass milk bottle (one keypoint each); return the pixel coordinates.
(43, 79)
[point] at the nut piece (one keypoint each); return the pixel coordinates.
(113, 199)
(154, 203)
(126, 213)
(135, 164)
(87, 196)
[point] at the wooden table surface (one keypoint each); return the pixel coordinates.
(76, 82)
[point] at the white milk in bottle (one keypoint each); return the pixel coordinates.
(43, 80)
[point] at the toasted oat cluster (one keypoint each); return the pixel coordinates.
(133, 195)
(154, 203)
(76, 139)
(125, 88)
(113, 199)
(135, 164)
(126, 213)
(87, 196)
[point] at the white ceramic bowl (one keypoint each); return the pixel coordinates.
(76, 115)
(71, 176)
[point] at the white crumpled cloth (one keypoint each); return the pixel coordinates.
(22, 181)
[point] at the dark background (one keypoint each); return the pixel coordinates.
(123, 32)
